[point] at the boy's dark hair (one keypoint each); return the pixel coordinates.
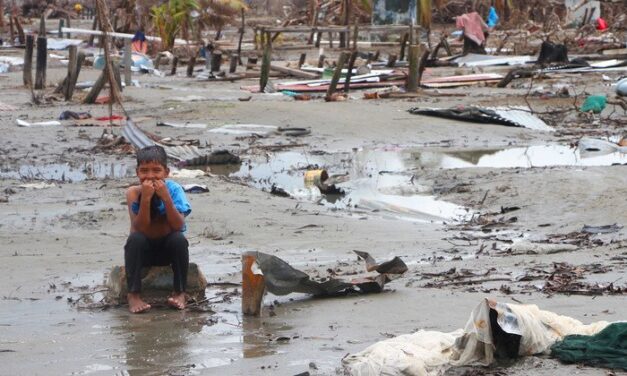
(154, 153)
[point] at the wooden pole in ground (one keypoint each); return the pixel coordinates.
(175, 62)
(28, 61)
(355, 34)
(422, 64)
(321, 61)
(265, 66)
(95, 90)
(391, 60)
(61, 24)
(403, 46)
(2, 14)
(216, 61)
(74, 77)
(117, 77)
(71, 67)
(20, 30)
(253, 286)
(42, 59)
(318, 38)
(67, 22)
(42, 25)
(412, 78)
(336, 74)
(94, 26)
(241, 37)
(11, 30)
(127, 62)
(233, 63)
(349, 74)
(301, 60)
(190, 66)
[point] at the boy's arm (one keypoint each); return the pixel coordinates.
(140, 222)
(175, 219)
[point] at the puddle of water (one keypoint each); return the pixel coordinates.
(70, 172)
(525, 157)
(382, 179)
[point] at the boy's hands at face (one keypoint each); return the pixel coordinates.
(148, 189)
(161, 189)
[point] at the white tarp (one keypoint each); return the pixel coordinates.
(430, 353)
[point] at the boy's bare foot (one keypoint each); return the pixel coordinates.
(136, 304)
(177, 300)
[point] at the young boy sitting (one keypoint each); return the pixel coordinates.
(157, 209)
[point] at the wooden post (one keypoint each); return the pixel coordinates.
(233, 63)
(330, 39)
(11, 30)
(94, 26)
(28, 61)
(253, 286)
(67, 22)
(20, 30)
(95, 90)
(61, 24)
(403, 46)
(2, 14)
(321, 61)
(241, 37)
(391, 60)
(42, 59)
(336, 74)
(375, 57)
(127, 62)
(411, 34)
(190, 66)
(74, 77)
(265, 67)
(301, 60)
(351, 65)
(175, 62)
(42, 25)
(422, 64)
(117, 76)
(412, 78)
(355, 34)
(71, 67)
(216, 60)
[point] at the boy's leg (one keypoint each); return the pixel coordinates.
(137, 245)
(176, 246)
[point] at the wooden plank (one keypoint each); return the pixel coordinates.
(294, 72)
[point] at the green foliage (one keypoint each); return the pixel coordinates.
(172, 17)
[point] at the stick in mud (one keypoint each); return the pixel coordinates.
(127, 62)
(74, 77)
(265, 67)
(42, 59)
(233, 63)
(301, 60)
(28, 61)
(71, 67)
(349, 74)
(412, 77)
(336, 74)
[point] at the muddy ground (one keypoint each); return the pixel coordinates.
(59, 241)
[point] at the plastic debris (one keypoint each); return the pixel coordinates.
(594, 103)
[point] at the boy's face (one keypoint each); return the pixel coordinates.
(152, 171)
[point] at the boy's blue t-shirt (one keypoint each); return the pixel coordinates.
(178, 198)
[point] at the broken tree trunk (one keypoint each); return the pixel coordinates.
(241, 37)
(74, 77)
(71, 67)
(423, 62)
(301, 60)
(321, 61)
(127, 62)
(233, 63)
(175, 62)
(42, 59)
(351, 65)
(391, 60)
(190, 66)
(265, 67)
(403, 46)
(28, 61)
(253, 286)
(95, 90)
(412, 77)
(336, 74)
(20, 30)
(216, 61)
